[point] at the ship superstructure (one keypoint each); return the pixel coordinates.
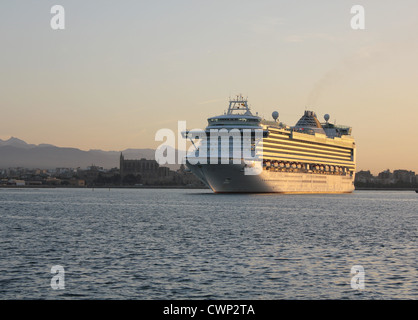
(310, 157)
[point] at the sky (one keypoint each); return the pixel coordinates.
(122, 70)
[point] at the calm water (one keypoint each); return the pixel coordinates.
(192, 244)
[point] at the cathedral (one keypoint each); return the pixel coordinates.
(145, 168)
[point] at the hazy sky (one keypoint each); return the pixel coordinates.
(121, 70)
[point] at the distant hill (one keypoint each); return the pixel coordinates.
(15, 142)
(17, 153)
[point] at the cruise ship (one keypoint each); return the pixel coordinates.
(309, 157)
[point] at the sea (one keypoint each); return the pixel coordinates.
(155, 244)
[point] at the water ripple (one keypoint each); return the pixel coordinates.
(192, 244)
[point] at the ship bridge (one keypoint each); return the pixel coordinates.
(238, 116)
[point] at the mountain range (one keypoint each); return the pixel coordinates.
(15, 152)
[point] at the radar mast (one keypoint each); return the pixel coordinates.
(239, 104)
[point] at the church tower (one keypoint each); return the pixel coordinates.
(121, 161)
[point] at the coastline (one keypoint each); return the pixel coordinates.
(163, 187)
(101, 187)
(385, 189)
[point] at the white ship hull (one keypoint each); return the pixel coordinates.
(230, 178)
(308, 158)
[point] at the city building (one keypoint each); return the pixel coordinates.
(147, 169)
(364, 176)
(404, 176)
(386, 177)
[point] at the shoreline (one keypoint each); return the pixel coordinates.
(101, 187)
(386, 189)
(164, 187)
